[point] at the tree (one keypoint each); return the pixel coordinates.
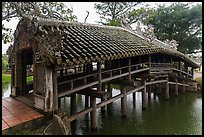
(115, 13)
(4, 61)
(179, 22)
(47, 10)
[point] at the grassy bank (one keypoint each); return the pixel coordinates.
(199, 80)
(7, 78)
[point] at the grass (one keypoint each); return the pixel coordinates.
(199, 80)
(7, 78)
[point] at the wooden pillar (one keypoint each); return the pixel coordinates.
(109, 90)
(171, 61)
(144, 95)
(160, 88)
(73, 103)
(99, 76)
(149, 64)
(176, 88)
(55, 94)
(18, 73)
(23, 73)
(134, 99)
(66, 71)
(61, 72)
(123, 102)
(103, 109)
(166, 94)
(93, 113)
(129, 69)
(13, 91)
(86, 101)
(149, 91)
(192, 72)
(183, 87)
(179, 67)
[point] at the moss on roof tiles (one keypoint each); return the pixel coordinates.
(96, 42)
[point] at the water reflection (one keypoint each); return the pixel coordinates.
(6, 89)
(180, 115)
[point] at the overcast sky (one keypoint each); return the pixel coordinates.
(79, 9)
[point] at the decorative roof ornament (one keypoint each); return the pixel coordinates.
(173, 43)
(138, 28)
(150, 33)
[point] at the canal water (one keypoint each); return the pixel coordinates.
(180, 115)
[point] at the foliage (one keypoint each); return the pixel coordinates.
(115, 13)
(6, 78)
(199, 80)
(4, 61)
(47, 10)
(179, 22)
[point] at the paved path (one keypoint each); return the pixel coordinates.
(15, 113)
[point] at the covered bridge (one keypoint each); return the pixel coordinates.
(69, 58)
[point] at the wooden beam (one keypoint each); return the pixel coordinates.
(135, 90)
(95, 93)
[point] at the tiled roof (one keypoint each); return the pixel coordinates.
(66, 43)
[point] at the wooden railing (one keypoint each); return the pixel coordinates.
(82, 82)
(72, 85)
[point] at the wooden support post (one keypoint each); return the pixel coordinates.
(109, 90)
(134, 99)
(49, 91)
(99, 76)
(73, 103)
(55, 94)
(149, 91)
(176, 88)
(18, 74)
(86, 101)
(99, 80)
(154, 91)
(166, 94)
(183, 87)
(160, 88)
(66, 71)
(123, 102)
(144, 95)
(192, 72)
(129, 68)
(149, 64)
(59, 103)
(24, 73)
(13, 93)
(93, 113)
(179, 67)
(61, 72)
(103, 109)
